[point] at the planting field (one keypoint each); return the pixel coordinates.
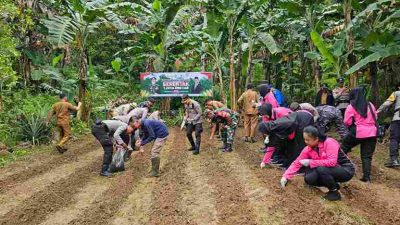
(211, 188)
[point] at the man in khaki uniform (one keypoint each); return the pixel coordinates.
(61, 110)
(247, 102)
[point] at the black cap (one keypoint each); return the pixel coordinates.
(340, 80)
(250, 86)
(62, 95)
(185, 96)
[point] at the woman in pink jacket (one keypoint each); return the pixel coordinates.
(360, 117)
(326, 164)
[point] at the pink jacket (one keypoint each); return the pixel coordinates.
(277, 113)
(326, 157)
(270, 98)
(365, 127)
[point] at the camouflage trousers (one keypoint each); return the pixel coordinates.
(228, 133)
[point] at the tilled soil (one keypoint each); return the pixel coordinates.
(210, 188)
(23, 171)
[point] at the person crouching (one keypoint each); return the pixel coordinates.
(327, 165)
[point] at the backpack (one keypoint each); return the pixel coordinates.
(280, 98)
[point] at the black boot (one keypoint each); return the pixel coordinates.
(196, 150)
(228, 147)
(60, 149)
(392, 163)
(105, 172)
(333, 196)
(155, 167)
(191, 148)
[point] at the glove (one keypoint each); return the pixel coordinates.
(266, 140)
(284, 182)
(305, 162)
(262, 165)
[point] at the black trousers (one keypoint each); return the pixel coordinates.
(394, 139)
(102, 134)
(328, 176)
(198, 129)
(367, 146)
(100, 131)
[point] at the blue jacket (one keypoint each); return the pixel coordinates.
(153, 129)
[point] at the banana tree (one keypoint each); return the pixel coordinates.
(73, 27)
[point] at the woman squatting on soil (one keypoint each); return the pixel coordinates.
(326, 164)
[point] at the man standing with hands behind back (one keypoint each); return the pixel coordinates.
(247, 102)
(193, 122)
(61, 109)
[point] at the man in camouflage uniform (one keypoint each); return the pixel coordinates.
(341, 96)
(229, 119)
(328, 115)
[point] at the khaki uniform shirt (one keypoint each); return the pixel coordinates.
(248, 101)
(61, 110)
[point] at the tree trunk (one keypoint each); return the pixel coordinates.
(249, 71)
(232, 82)
(315, 67)
(203, 44)
(239, 82)
(351, 58)
(221, 86)
(84, 112)
(373, 71)
(267, 68)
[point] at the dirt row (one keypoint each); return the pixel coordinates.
(210, 188)
(22, 171)
(361, 204)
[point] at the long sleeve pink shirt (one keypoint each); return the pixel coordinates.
(270, 98)
(326, 156)
(277, 113)
(365, 127)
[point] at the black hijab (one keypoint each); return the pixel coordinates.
(359, 101)
(263, 89)
(265, 110)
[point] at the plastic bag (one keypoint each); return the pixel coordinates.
(117, 163)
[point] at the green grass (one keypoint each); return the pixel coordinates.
(12, 157)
